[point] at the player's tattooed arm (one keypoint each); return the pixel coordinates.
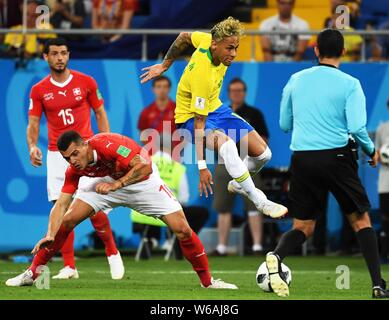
(140, 168)
(182, 42)
(177, 48)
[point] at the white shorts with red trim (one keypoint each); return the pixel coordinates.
(150, 197)
(56, 168)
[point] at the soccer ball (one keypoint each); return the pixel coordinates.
(263, 280)
(384, 151)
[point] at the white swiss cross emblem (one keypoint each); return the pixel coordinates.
(77, 91)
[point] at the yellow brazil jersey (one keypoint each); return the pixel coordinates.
(351, 43)
(199, 87)
(30, 41)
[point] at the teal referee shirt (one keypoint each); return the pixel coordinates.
(322, 106)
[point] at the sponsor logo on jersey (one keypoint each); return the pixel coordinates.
(123, 151)
(48, 96)
(62, 93)
(200, 103)
(77, 91)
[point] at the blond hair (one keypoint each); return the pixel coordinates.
(227, 28)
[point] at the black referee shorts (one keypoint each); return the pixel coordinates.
(384, 204)
(315, 173)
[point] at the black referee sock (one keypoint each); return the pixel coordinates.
(368, 242)
(289, 242)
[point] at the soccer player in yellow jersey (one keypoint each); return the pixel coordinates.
(199, 110)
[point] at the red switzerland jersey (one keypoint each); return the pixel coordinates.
(112, 155)
(66, 105)
(152, 118)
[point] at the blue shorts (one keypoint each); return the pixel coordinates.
(223, 119)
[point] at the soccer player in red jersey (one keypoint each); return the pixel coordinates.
(123, 176)
(66, 97)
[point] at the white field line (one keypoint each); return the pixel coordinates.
(329, 272)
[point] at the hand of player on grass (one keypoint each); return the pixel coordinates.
(105, 188)
(374, 161)
(205, 182)
(43, 243)
(152, 72)
(35, 156)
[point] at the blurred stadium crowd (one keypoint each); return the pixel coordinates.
(270, 15)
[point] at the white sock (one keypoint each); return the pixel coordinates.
(257, 247)
(255, 164)
(221, 248)
(238, 170)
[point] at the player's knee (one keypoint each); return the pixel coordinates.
(360, 224)
(68, 222)
(306, 228)
(267, 155)
(360, 221)
(308, 231)
(183, 232)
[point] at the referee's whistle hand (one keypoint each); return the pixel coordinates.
(374, 161)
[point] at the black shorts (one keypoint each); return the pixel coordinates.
(384, 204)
(315, 173)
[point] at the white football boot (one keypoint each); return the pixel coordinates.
(116, 266)
(67, 273)
(220, 284)
(24, 279)
(279, 286)
(266, 207)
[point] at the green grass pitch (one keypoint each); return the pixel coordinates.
(312, 278)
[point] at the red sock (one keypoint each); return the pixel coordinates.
(103, 229)
(67, 251)
(45, 254)
(194, 252)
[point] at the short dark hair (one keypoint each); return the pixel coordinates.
(161, 78)
(330, 43)
(66, 139)
(55, 42)
(237, 80)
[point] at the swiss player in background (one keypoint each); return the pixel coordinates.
(123, 176)
(66, 97)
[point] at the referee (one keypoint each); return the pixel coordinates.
(322, 106)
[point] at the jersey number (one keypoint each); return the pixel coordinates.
(67, 116)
